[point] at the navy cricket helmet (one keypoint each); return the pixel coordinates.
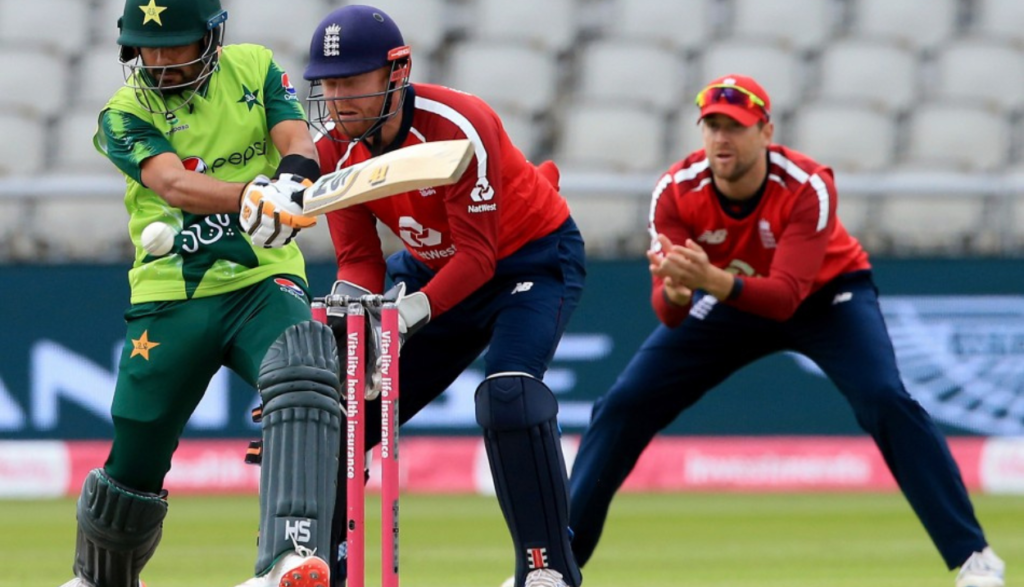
(354, 40)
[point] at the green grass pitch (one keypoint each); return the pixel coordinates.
(679, 540)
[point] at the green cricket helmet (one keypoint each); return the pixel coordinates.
(168, 23)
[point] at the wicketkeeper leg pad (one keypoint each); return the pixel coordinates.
(118, 531)
(301, 421)
(517, 414)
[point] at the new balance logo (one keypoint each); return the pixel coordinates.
(842, 297)
(522, 286)
(713, 237)
(427, 192)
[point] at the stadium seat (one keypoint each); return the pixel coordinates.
(104, 23)
(849, 70)
(937, 223)
(914, 23)
(424, 23)
(999, 83)
(685, 135)
(612, 224)
(525, 131)
(281, 26)
(316, 243)
(978, 141)
(75, 151)
(546, 24)
(677, 24)
(799, 24)
(22, 152)
(1003, 19)
(612, 138)
(631, 72)
(37, 82)
(99, 75)
(846, 137)
(774, 67)
(854, 212)
(83, 228)
(53, 25)
(511, 76)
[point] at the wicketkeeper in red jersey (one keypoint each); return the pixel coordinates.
(494, 261)
(748, 258)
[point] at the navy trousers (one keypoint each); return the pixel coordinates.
(518, 317)
(839, 327)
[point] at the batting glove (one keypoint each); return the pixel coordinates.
(271, 212)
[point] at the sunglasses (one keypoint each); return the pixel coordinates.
(734, 95)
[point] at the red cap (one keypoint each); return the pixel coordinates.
(741, 114)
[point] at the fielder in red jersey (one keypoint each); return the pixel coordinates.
(749, 258)
(492, 262)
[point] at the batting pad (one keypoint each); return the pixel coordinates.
(517, 413)
(301, 422)
(118, 531)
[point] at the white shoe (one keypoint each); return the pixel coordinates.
(295, 569)
(982, 569)
(539, 578)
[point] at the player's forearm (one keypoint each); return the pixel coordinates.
(719, 283)
(198, 194)
(462, 276)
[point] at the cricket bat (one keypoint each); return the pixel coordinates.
(409, 168)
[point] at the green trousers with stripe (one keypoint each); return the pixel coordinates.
(172, 350)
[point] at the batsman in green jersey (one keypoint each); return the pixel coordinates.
(197, 129)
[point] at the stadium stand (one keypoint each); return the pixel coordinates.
(676, 25)
(606, 86)
(631, 72)
(848, 70)
(597, 135)
(509, 75)
(921, 24)
(823, 131)
(800, 24)
(20, 24)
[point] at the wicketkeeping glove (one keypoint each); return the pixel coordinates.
(413, 310)
(271, 212)
(337, 319)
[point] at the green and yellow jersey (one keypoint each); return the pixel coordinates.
(225, 133)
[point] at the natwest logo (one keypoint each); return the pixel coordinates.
(416, 235)
(482, 191)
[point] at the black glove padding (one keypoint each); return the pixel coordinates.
(337, 319)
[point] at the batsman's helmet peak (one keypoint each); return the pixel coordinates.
(168, 23)
(352, 40)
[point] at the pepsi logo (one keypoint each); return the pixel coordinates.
(287, 84)
(195, 164)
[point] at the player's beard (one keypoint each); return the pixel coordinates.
(184, 78)
(735, 172)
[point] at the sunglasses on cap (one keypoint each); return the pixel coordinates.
(730, 94)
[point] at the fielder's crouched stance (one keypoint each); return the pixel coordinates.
(301, 422)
